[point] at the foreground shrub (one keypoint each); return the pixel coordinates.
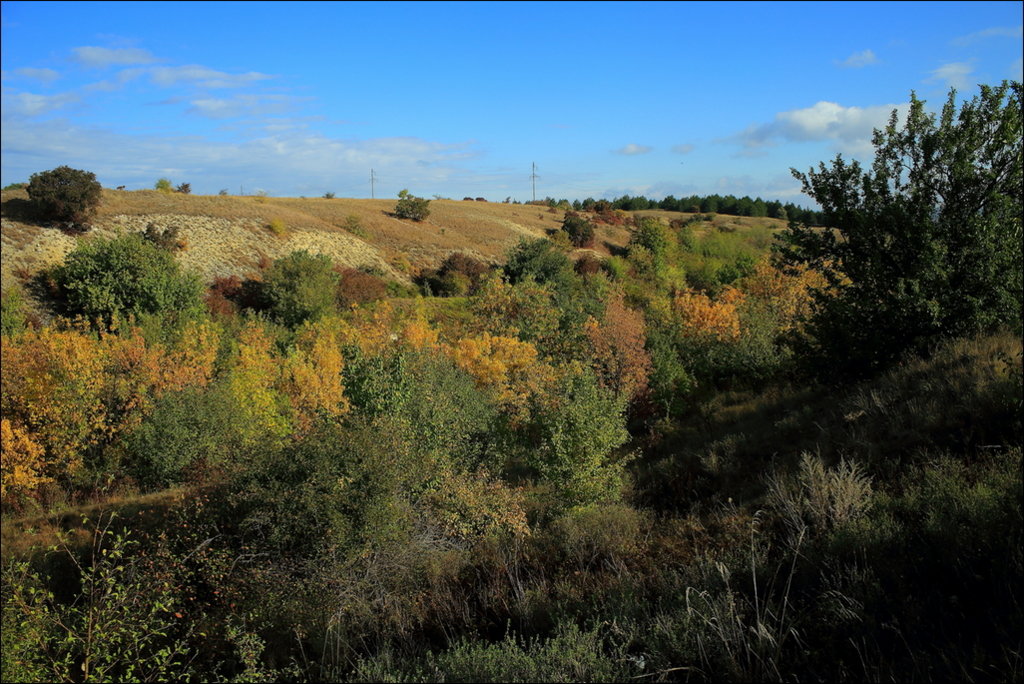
(65, 194)
(123, 626)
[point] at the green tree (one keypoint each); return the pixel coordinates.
(924, 245)
(65, 194)
(300, 287)
(105, 280)
(579, 229)
(163, 185)
(411, 207)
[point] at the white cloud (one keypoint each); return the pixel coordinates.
(682, 149)
(851, 127)
(32, 104)
(954, 74)
(103, 57)
(294, 163)
(995, 32)
(633, 149)
(241, 105)
(859, 59)
(203, 77)
(44, 75)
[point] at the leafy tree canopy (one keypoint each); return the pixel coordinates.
(927, 242)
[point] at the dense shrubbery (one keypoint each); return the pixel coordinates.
(613, 472)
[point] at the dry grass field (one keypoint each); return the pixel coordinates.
(228, 235)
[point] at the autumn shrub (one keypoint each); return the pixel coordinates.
(167, 239)
(357, 287)
(300, 287)
(588, 264)
(111, 280)
(65, 194)
(617, 349)
(277, 227)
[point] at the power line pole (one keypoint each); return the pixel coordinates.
(373, 179)
(533, 177)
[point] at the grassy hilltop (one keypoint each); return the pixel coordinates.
(229, 235)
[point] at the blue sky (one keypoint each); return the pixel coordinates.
(457, 99)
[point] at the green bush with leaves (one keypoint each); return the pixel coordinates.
(576, 439)
(300, 287)
(65, 194)
(108, 280)
(122, 626)
(411, 207)
(927, 243)
(13, 318)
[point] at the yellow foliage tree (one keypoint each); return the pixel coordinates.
(505, 366)
(703, 316)
(787, 294)
(312, 377)
(54, 384)
(253, 384)
(22, 460)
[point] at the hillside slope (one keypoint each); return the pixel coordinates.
(230, 235)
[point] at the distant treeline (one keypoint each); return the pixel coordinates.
(710, 204)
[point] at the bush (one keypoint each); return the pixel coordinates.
(184, 188)
(163, 185)
(166, 239)
(357, 287)
(539, 260)
(65, 194)
(277, 227)
(580, 230)
(105, 280)
(300, 287)
(411, 207)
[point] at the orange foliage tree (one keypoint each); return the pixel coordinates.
(620, 360)
(703, 316)
(69, 390)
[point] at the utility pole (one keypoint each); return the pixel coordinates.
(373, 179)
(533, 177)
